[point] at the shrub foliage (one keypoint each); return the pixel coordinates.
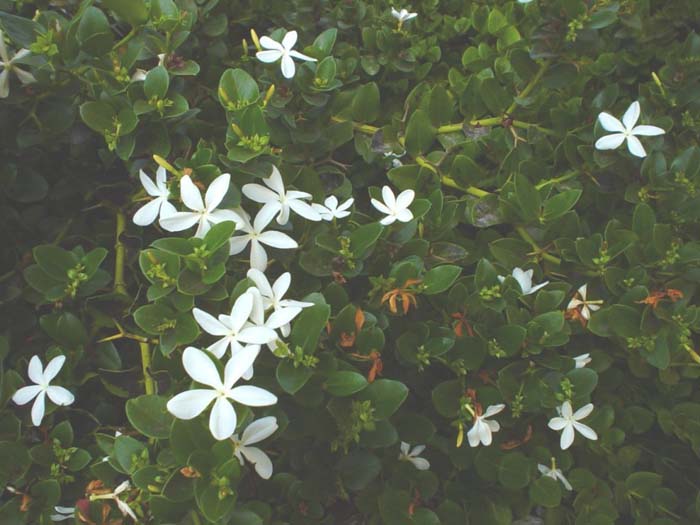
(507, 332)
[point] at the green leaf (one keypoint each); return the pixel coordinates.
(325, 41)
(65, 328)
(364, 237)
(358, 469)
(386, 396)
(420, 133)
(344, 383)
(218, 235)
(292, 378)
(365, 103)
(156, 83)
(528, 198)
(99, 116)
(128, 452)
(546, 491)
(94, 34)
(148, 415)
(308, 326)
(560, 204)
(440, 278)
(22, 31)
(55, 261)
(496, 22)
(133, 11)
(237, 89)
(641, 484)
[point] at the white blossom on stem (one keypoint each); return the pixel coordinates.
(284, 52)
(7, 64)
(582, 360)
(256, 236)
(159, 205)
(330, 209)
(276, 320)
(554, 473)
(122, 505)
(524, 279)
(204, 213)
(403, 15)
(395, 208)
(567, 421)
(254, 433)
(222, 419)
(483, 428)
(42, 377)
(625, 130)
(413, 455)
(579, 301)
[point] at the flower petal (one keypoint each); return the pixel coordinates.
(631, 116)
(35, 370)
(269, 56)
(557, 423)
(473, 435)
(567, 437)
(388, 197)
(237, 244)
(258, 193)
(585, 431)
(241, 311)
(610, 123)
(219, 347)
(179, 221)
(301, 56)
(583, 412)
(290, 39)
(209, 323)
(635, 147)
(188, 405)
(258, 335)
(649, 131)
(222, 420)
(4, 83)
(258, 256)
(252, 396)
(148, 184)
(304, 209)
(267, 43)
(281, 285)
(610, 141)
(405, 199)
(420, 463)
(190, 194)
(25, 394)
(282, 316)
(492, 410)
(217, 191)
(53, 368)
(277, 240)
(263, 464)
(201, 368)
(404, 215)
(259, 429)
(38, 409)
(288, 67)
(380, 206)
(239, 362)
(60, 396)
(148, 213)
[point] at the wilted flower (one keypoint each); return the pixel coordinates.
(254, 433)
(568, 420)
(223, 419)
(123, 506)
(554, 473)
(585, 306)
(524, 279)
(625, 130)
(395, 208)
(482, 430)
(284, 52)
(414, 456)
(42, 377)
(582, 360)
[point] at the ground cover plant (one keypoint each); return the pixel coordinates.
(313, 262)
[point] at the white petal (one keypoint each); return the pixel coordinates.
(201, 368)
(261, 282)
(417, 450)
(190, 194)
(126, 509)
(177, 222)
(238, 363)
(263, 465)
(566, 410)
(161, 176)
(346, 204)
(537, 287)
(289, 40)
(252, 396)
(544, 469)
(301, 56)
(3, 49)
(420, 463)
(237, 244)
(278, 240)
(405, 448)
(267, 43)
(60, 396)
(258, 335)
(304, 209)
(258, 256)
(583, 412)
(635, 147)
(405, 199)
(53, 368)
(380, 207)
(209, 323)
(585, 431)
(258, 193)
(274, 181)
(631, 116)
(473, 435)
(524, 279)
(259, 429)
(389, 219)
(567, 437)
(270, 56)
(649, 131)
(492, 410)
(241, 311)
(148, 185)
(219, 347)
(485, 434)
(557, 423)
(288, 67)
(388, 197)
(25, 394)
(4, 83)
(147, 213)
(610, 141)
(222, 420)
(217, 191)
(404, 215)
(282, 316)
(565, 481)
(610, 123)
(190, 404)
(35, 370)
(38, 409)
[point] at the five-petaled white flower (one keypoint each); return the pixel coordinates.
(258, 430)
(582, 360)
(204, 213)
(403, 15)
(524, 279)
(276, 320)
(234, 328)
(255, 235)
(625, 130)
(42, 377)
(275, 51)
(395, 208)
(273, 297)
(579, 301)
(414, 456)
(277, 200)
(554, 473)
(223, 419)
(7, 64)
(148, 213)
(123, 506)
(481, 431)
(330, 210)
(568, 420)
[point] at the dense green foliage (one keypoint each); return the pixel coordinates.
(489, 111)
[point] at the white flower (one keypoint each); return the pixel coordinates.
(276, 51)
(483, 428)
(586, 306)
(204, 213)
(414, 456)
(330, 210)
(63, 513)
(582, 360)
(569, 420)
(277, 200)
(273, 297)
(42, 377)
(122, 505)
(625, 130)
(395, 208)
(524, 279)
(258, 430)
(223, 419)
(403, 15)
(232, 328)
(255, 235)
(7, 64)
(147, 213)
(554, 473)
(276, 320)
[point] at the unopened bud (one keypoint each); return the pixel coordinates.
(254, 38)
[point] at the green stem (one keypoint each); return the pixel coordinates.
(556, 180)
(531, 85)
(471, 190)
(131, 34)
(539, 251)
(120, 255)
(149, 384)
